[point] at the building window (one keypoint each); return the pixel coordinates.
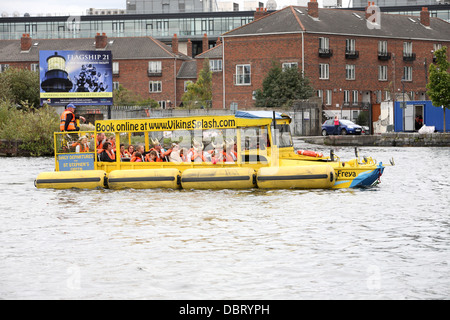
(407, 74)
(243, 74)
(3, 67)
(155, 86)
(407, 48)
(320, 95)
(355, 97)
(387, 95)
(324, 43)
(329, 96)
(34, 67)
(288, 65)
(350, 72)
(324, 71)
(186, 84)
(382, 47)
(346, 97)
(215, 65)
(115, 68)
(116, 85)
(382, 73)
(154, 67)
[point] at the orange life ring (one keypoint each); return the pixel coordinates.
(310, 153)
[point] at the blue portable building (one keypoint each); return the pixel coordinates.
(432, 116)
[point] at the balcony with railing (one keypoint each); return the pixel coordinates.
(409, 56)
(325, 53)
(351, 54)
(384, 55)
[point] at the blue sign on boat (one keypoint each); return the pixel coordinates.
(76, 162)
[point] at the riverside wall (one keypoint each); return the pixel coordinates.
(392, 139)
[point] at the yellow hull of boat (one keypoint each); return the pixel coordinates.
(144, 179)
(90, 179)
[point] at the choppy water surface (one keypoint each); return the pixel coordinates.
(388, 242)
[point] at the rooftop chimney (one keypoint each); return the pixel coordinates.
(25, 42)
(259, 13)
(189, 48)
(313, 9)
(205, 43)
(101, 41)
(175, 44)
(370, 13)
(425, 17)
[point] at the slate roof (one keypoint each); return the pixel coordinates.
(295, 19)
(188, 70)
(213, 53)
(121, 48)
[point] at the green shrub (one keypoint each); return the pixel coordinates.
(33, 127)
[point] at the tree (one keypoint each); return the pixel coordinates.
(20, 87)
(282, 86)
(439, 81)
(123, 97)
(199, 94)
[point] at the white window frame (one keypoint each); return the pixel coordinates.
(350, 45)
(329, 98)
(154, 86)
(350, 72)
(3, 67)
(243, 76)
(215, 65)
(346, 97)
(355, 97)
(324, 71)
(382, 46)
(320, 95)
(116, 85)
(382, 73)
(407, 47)
(324, 43)
(186, 83)
(407, 74)
(154, 67)
(34, 67)
(115, 67)
(288, 65)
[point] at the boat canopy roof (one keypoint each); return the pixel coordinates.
(260, 114)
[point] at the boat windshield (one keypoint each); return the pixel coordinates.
(283, 137)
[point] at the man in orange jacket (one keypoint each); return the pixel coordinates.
(69, 120)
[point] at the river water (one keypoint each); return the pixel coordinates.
(391, 241)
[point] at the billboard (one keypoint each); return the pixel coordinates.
(78, 77)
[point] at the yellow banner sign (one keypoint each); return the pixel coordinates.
(47, 95)
(169, 124)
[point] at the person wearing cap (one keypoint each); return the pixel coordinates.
(69, 120)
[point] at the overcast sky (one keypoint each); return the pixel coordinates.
(79, 7)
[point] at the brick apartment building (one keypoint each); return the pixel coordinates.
(349, 61)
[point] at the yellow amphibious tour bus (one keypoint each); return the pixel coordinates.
(245, 150)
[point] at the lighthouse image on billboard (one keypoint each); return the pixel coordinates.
(56, 77)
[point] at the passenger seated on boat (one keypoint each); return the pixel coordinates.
(139, 153)
(175, 154)
(197, 152)
(107, 154)
(123, 152)
(230, 151)
(184, 154)
(137, 157)
(130, 150)
(152, 157)
(82, 145)
(160, 151)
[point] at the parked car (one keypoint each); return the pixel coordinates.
(365, 130)
(345, 127)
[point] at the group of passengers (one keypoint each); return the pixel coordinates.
(222, 152)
